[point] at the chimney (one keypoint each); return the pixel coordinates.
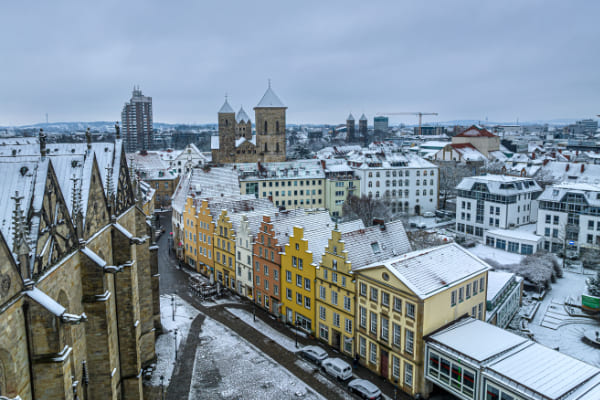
(582, 167)
(380, 222)
(88, 138)
(42, 143)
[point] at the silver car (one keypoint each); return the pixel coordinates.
(314, 354)
(364, 389)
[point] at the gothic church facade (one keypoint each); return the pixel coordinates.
(236, 142)
(79, 300)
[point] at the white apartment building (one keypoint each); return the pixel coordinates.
(243, 257)
(408, 182)
(495, 201)
(569, 216)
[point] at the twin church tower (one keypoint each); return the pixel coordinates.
(236, 143)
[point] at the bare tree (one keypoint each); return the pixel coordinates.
(450, 176)
(421, 239)
(366, 208)
(544, 178)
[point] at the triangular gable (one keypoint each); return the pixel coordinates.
(55, 234)
(11, 282)
(124, 196)
(97, 212)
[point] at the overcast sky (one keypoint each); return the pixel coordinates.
(78, 61)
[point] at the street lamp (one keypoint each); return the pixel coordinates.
(173, 306)
(162, 387)
(296, 331)
(175, 344)
(254, 309)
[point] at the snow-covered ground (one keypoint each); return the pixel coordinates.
(279, 338)
(246, 373)
(165, 343)
(552, 326)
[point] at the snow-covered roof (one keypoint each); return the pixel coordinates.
(468, 152)
(542, 370)
(427, 272)
(525, 232)
(297, 169)
(372, 244)
(475, 131)
(214, 142)
(467, 339)
(242, 116)
(556, 193)
(572, 172)
(500, 184)
(226, 108)
(270, 100)
(497, 280)
(205, 183)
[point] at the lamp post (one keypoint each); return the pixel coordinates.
(162, 387)
(296, 331)
(175, 344)
(254, 309)
(173, 306)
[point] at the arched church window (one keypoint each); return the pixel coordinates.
(226, 122)
(276, 126)
(266, 145)
(265, 128)
(277, 147)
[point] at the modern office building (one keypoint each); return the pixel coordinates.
(136, 121)
(381, 124)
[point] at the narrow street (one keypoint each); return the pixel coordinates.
(173, 280)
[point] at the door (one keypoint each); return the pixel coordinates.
(383, 365)
(335, 339)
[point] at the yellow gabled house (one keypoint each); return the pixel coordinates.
(298, 273)
(198, 235)
(224, 249)
(335, 293)
(405, 298)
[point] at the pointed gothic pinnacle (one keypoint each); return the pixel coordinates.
(42, 137)
(117, 130)
(88, 138)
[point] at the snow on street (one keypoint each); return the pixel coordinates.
(279, 338)
(220, 373)
(165, 343)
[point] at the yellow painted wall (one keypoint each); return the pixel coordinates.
(224, 248)
(344, 287)
(290, 193)
(298, 248)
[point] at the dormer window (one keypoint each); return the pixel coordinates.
(375, 247)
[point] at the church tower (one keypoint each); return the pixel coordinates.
(270, 127)
(226, 152)
(350, 129)
(243, 125)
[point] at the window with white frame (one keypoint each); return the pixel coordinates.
(374, 294)
(396, 334)
(298, 298)
(322, 292)
(363, 289)
(385, 326)
(347, 303)
(410, 310)
(348, 325)
(409, 341)
(373, 353)
(374, 323)
(322, 313)
(336, 319)
(408, 374)
(395, 367)
(298, 280)
(288, 276)
(334, 297)
(362, 346)
(324, 331)
(385, 299)
(397, 304)
(363, 317)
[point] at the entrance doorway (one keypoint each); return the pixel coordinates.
(383, 365)
(335, 339)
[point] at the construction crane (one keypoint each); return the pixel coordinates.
(420, 114)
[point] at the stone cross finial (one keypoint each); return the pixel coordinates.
(117, 130)
(88, 138)
(42, 143)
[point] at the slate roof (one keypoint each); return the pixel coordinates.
(270, 100)
(363, 117)
(368, 245)
(501, 184)
(427, 272)
(350, 117)
(242, 116)
(226, 108)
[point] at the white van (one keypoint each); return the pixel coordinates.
(337, 368)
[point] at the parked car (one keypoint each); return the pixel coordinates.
(337, 368)
(429, 214)
(364, 389)
(314, 354)
(421, 225)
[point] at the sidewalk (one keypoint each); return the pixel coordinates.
(181, 380)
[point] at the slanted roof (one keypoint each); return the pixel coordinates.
(427, 272)
(466, 336)
(542, 370)
(363, 117)
(475, 131)
(350, 117)
(226, 108)
(242, 116)
(368, 245)
(270, 100)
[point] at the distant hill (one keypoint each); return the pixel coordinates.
(96, 126)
